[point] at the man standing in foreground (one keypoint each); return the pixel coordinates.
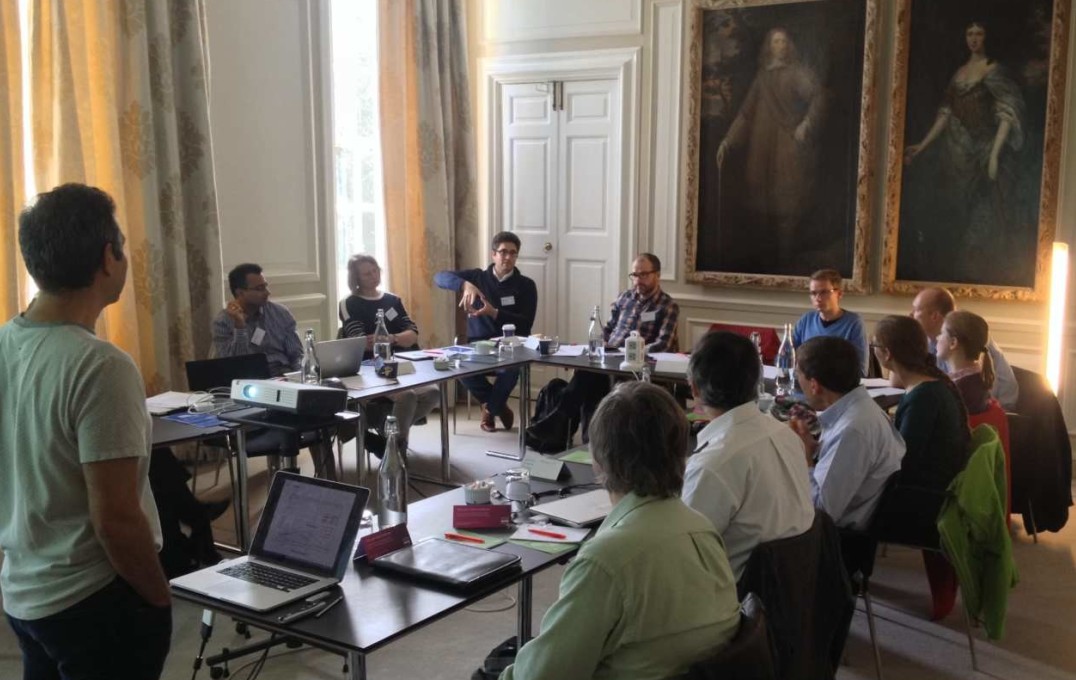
(82, 586)
(493, 297)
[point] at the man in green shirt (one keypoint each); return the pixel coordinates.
(652, 592)
(82, 586)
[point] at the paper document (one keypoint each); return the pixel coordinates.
(417, 355)
(876, 392)
(358, 383)
(874, 382)
(166, 402)
(548, 533)
(570, 351)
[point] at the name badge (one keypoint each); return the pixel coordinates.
(258, 336)
(508, 300)
(391, 314)
(648, 317)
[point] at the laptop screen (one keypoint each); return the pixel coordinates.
(309, 523)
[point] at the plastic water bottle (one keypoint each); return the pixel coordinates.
(596, 338)
(786, 363)
(382, 350)
(310, 371)
(392, 480)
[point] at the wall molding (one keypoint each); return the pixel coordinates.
(663, 211)
(611, 17)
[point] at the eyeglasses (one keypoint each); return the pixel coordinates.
(639, 275)
(875, 345)
(261, 289)
(821, 293)
(504, 252)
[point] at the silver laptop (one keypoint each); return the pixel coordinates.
(302, 545)
(341, 358)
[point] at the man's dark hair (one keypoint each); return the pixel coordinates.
(833, 362)
(638, 437)
(63, 233)
(237, 278)
(652, 258)
(505, 237)
(724, 369)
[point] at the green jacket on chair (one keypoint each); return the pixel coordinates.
(975, 534)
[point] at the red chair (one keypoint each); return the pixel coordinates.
(771, 342)
(995, 417)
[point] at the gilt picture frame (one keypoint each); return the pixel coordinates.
(974, 146)
(778, 141)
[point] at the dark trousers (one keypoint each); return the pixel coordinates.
(583, 394)
(493, 395)
(112, 635)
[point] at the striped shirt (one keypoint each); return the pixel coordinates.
(279, 341)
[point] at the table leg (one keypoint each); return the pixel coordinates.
(360, 446)
(524, 406)
(523, 624)
(241, 496)
(356, 665)
(445, 472)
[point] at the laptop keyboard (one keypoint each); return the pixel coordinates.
(267, 576)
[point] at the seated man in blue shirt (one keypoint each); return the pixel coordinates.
(829, 319)
(859, 449)
(493, 297)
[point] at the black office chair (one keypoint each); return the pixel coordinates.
(748, 656)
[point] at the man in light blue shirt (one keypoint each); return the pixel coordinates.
(829, 319)
(929, 308)
(859, 449)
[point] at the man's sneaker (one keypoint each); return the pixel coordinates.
(487, 423)
(507, 417)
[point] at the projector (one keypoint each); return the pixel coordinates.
(297, 398)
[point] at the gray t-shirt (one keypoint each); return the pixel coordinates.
(67, 398)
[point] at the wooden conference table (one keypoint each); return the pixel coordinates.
(378, 609)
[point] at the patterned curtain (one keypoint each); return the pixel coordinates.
(120, 102)
(428, 154)
(11, 161)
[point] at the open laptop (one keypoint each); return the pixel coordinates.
(338, 358)
(302, 545)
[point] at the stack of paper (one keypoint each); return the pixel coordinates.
(166, 402)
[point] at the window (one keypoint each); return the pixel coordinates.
(360, 213)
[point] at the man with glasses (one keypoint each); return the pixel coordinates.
(497, 295)
(645, 308)
(251, 324)
(828, 319)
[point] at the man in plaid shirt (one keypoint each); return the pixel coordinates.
(645, 308)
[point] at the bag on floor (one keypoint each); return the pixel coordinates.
(553, 426)
(500, 657)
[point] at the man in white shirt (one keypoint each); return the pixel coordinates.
(749, 472)
(82, 586)
(929, 308)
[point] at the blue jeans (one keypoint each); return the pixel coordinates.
(495, 395)
(112, 634)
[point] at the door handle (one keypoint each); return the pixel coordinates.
(547, 247)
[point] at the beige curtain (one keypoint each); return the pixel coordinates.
(120, 102)
(428, 156)
(12, 191)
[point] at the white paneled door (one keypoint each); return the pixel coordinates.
(558, 189)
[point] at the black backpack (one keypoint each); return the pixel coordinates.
(552, 427)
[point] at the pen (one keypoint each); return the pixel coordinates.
(548, 534)
(461, 537)
(328, 607)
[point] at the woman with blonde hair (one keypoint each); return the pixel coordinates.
(962, 346)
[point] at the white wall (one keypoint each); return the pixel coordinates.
(272, 187)
(659, 27)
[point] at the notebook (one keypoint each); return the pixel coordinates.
(302, 545)
(580, 510)
(448, 563)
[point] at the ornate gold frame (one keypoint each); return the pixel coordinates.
(859, 281)
(1053, 130)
